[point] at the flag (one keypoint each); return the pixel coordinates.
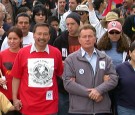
(108, 8)
(111, 5)
(118, 1)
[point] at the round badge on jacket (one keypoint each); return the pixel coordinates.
(81, 71)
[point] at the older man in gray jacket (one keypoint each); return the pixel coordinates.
(84, 77)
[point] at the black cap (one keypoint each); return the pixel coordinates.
(75, 16)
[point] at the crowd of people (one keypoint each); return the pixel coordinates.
(66, 57)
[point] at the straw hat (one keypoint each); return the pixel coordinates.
(111, 16)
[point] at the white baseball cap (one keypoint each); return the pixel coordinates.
(82, 8)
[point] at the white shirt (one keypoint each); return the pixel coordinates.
(33, 48)
(27, 40)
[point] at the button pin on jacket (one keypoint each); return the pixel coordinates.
(81, 71)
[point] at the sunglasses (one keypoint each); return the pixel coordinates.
(38, 14)
(114, 32)
(81, 13)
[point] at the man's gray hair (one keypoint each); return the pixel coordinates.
(3, 7)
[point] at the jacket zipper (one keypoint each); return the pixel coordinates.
(93, 86)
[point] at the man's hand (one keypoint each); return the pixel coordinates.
(72, 79)
(17, 104)
(106, 78)
(100, 98)
(90, 5)
(94, 94)
(24, 2)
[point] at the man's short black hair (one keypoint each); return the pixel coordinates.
(22, 15)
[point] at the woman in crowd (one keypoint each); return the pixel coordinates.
(126, 85)
(114, 43)
(7, 58)
(40, 15)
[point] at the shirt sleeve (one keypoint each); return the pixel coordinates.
(69, 80)
(59, 70)
(17, 68)
(112, 82)
(5, 104)
(94, 21)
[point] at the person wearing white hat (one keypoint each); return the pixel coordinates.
(83, 11)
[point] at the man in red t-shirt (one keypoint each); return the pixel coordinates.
(35, 70)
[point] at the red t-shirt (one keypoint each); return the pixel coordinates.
(6, 62)
(37, 72)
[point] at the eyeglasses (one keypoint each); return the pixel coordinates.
(114, 32)
(81, 13)
(38, 14)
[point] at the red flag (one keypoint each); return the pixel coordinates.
(108, 8)
(118, 1)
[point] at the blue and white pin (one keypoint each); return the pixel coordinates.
(81, 71)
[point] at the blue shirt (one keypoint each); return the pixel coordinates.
(92, 59)
(19, 3)
(116, 57)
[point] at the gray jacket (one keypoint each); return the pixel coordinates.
(78, 68)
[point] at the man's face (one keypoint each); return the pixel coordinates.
(62, 4)
(87, 39)
(72, 26)
(41, 37)
(23, 24)
(132, 12)
(72, 5)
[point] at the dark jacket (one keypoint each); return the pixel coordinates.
(128, 26)
(126, 85)
(62, 42)
(6, 27)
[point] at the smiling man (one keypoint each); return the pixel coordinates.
(38, 90)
